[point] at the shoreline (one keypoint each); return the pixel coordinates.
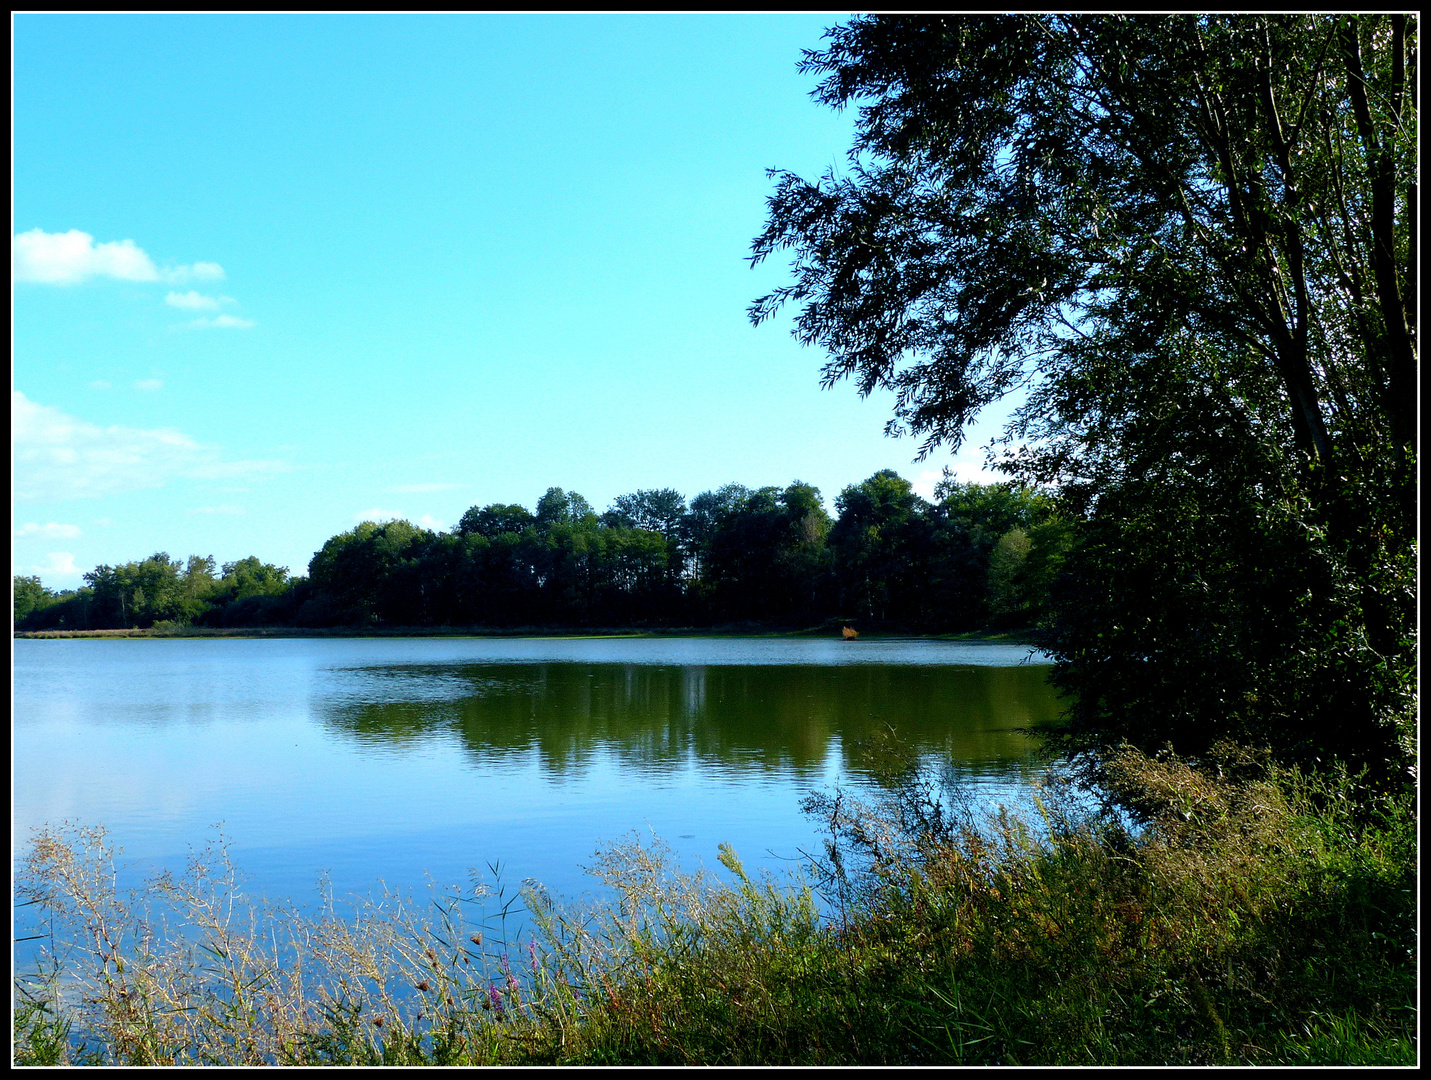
(1018, 637)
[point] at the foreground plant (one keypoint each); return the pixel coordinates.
(1230, 912)
(188, 970)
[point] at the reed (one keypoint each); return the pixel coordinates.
(1224, 911)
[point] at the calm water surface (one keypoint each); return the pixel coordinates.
(386, 759)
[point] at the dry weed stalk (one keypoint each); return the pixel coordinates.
(189, 970)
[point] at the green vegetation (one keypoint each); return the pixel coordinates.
(160, 591)
(1191, 239)
(1254, 916)
(765, 557)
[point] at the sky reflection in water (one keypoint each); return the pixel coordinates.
(389, 759)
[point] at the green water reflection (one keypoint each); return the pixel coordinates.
(656, 718)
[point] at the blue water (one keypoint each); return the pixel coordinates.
(386, 761)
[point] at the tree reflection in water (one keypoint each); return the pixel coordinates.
(654, 718)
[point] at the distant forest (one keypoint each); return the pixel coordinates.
(980, 556)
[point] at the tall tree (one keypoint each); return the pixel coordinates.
(701, 522)
(494, 520)
(27, 595)
(661, 512)
(766, 555)
(368, 575)
(1192, 239)
(1020, 185)
(657, 511)
(882, 545)
(558, 507)
(137, 594)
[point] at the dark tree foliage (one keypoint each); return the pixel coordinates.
(249, 593)
(1192, 239)
(971, 521)
(161, 589)
(771, 557)
(368, 575)
(556, 507)
(68, 610)
(494, 520)
(661, 512)
(766, 558)
(882, 542)
(701, 522)
(656, 511)
(1021, 182)
(141, 594)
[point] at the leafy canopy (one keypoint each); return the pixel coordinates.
(1191, 240)
(1023, 188)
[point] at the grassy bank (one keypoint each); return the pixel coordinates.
(1249, 916)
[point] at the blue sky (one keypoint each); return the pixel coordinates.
(275, 275)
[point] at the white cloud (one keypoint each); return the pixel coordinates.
(967, 467)
(923, 484)
(149, 384)
(224, 511)
(57, 456)
(196, 301)
(61, 565)
(200, 271)
(427, 521)
(53, 530)
(222, 321)
(72, 257)
(419, 489)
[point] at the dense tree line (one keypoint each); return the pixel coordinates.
(164, 591)
(1192, 238)
(979, 555)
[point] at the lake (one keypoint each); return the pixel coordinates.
(378, 760)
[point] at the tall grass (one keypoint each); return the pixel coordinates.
(1244, 914)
